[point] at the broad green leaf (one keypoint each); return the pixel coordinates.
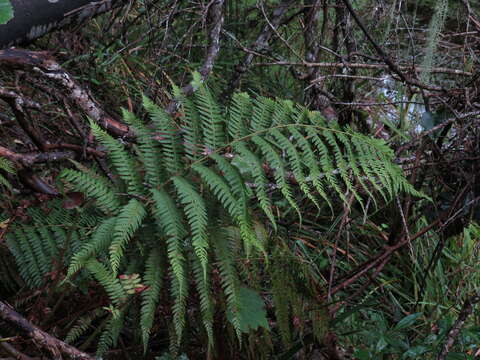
(407, 321)
(413, 352)
(6, 11)
(251, 312)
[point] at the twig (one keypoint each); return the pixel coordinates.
(260, 43)
(391, 65)
(467, 310)
(31, 158)
(215, 13)
(40, 337)
(14, 352)
(342, 65)
(435, 128)
(42, 63)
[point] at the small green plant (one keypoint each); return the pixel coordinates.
(6, 166)
(6, 11)
(188, 203)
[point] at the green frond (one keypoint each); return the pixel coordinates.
(95, 187)
(353, 161)
(326, 163)
(309, 157)
(48, 240)
(342, 166)
(196, 212)
(167, 135)
(108, 280)
(233, 177)
(202, 284)
(212, 119)
(25, 258)
(150, 297)
(295, 162)
(83, 325)
(149, 150)
(123, 162)
(111, 332)
(169, 220)
(228, 273)
(262, 114)
(277, 163)
(222, 192)
(283, 112)
(96, 245)
(239, 113)
(261, 181)
(128, 221)
(7, 166)
(191, 124)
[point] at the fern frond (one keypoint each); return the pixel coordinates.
(196, 212)
(191, 125)
(149, 151)
(261, 181)
(280, 175)
(111, 332)
(295, 161)
(25, 254)
(27, 267)
(262, 114)
(233, 177)
(123, 162)
(212, 119)
(228, 273)
(108, 280)
(82, 325)
(150, 297)
(97, 244)
(7, 166)
(222, 192)
(169, 220)
(104, 195)
(128, 221)
(311, 163)
(202, 284)
(326, 163)
(239, 113)
(167, 135)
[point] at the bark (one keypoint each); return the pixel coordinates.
(34, 18)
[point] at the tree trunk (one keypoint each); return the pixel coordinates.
(34, 18)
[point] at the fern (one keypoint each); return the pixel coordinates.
(186, 206)
(108, 280)
(99, 243)
(6, 166)
(124, 163)
(97, 188)
(151, 296)
(128, 221)
(82, 325)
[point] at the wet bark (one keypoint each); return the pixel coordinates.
(34, 18)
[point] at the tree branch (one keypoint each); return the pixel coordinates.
(40, 337)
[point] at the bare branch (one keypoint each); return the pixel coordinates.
(40, 337)
(467, 310)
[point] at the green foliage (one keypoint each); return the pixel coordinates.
(6, 166)
(42, 248)
(6, 11)
(251, 312)
(187, 204)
